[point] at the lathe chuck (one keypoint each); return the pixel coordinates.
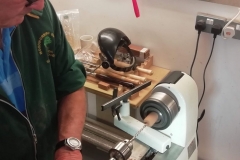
(162, 104)
(121, 151)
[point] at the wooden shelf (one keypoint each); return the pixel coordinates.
(158, 75)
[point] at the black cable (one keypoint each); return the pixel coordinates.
(216, 30)
(204, 83)
(195, 55)
(199, 26)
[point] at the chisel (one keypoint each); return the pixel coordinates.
(111, 79)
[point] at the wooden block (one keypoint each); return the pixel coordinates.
(103, 85)
(138, 50)
(133, 96)
(148, 62)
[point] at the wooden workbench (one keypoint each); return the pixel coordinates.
(158, 75)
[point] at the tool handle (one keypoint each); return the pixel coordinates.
(143, 79)
(114, 80)
(121, 64)
(143, 70)
(123, 78)
(136, 9)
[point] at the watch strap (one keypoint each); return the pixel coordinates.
(60, 144)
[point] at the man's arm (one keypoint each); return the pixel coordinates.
(71, 119)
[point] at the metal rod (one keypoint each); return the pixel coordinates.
(103, 133)
(125, 96)
(97, 141)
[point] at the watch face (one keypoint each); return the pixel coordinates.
(74, 143)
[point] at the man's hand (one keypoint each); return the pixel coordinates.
(66, 154)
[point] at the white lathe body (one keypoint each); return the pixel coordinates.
(175, 100)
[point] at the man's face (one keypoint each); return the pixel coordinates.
(12, 12)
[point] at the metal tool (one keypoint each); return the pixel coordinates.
(113, 75)
(111, 79)
(125, 96)
(121, 151)
(138, 132)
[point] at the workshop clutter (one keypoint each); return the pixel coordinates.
(127, 65)
(107, 79)
(70, 23)
(88, 49)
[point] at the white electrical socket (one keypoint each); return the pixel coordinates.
(209, 21)
(212, 20)
(238, 27)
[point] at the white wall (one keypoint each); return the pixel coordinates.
(167, 28)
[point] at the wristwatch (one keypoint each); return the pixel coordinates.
(71, 142)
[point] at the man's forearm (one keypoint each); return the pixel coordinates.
(71, 115)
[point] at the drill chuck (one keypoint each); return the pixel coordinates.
(121, 151)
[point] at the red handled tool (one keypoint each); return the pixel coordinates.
(136, 9)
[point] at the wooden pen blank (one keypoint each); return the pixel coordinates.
(143, 79)
(151, 119)
(101, 71)
(121, 64)
(143, 70)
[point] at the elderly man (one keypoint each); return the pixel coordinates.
(42, 98)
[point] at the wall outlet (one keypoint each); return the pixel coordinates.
(212, 19)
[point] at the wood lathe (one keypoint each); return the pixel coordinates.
(170, 114)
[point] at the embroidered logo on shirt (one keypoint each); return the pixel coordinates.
(44, 44)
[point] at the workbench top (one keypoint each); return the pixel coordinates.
(158, 75)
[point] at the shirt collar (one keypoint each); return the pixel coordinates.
(35, 14)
